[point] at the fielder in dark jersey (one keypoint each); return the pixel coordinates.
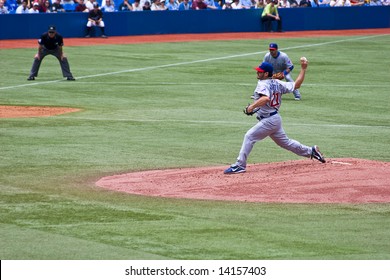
(51, 42)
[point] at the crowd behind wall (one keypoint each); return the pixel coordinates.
(54, 6)
(73, 24)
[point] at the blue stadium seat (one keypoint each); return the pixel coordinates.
(69, 7)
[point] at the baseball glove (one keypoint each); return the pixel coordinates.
(279, 76)
(246, 111)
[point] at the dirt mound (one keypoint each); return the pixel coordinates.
(345, 180)
(33, 111)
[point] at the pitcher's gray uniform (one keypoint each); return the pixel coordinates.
(270, 92)
(281, 63)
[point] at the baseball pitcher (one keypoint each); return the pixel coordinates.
(267, 101)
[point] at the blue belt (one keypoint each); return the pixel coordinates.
(270, 115)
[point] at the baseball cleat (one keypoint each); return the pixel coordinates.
(315, 153)
(31, 78)
(297, 98)
(70, 79)
(234, 169)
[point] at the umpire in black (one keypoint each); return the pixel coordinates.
(51, 42)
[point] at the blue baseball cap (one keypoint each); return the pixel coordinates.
(273, 46)
(265, 67)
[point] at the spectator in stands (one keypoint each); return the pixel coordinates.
(185, 5)
(137, 6)
(90, 4)
(22, 9)
(247, 4)
(125, 6)
(42, 6)
(340, 3)
(162, 5)
(11, 5)
(357, 2)
(95, 18)
(284, 4)
(237, 5)
(57, 7)
(156, 5)
(386, 2)
(376, 3)
(172, 5)
(81, 7)
(227, 5)
(211, 4)
(34, 9)
(3, 9)
(314, 3)
(305, 4)
(146, 6)
(294, 3)
(47, 6)
(199, 5)
(270, 14)
(259, 4)
(67, 2)
(108, 7)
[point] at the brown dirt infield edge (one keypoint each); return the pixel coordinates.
(345, 180)
(33, 111)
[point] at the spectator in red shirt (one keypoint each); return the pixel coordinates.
(81, 7)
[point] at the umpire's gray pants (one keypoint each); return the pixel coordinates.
(64, 63)
(271, 127)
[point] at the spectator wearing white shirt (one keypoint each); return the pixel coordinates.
(34, 9)
(89, 4)
(227, 5)
(236, 5)
(156, 6)
(283, 4)
(340, 3)
(22, 9)
(137, 6)
(3, 9)
(108, 6)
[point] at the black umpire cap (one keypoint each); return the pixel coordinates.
(52, 28)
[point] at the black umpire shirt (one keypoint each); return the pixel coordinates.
(51, 43)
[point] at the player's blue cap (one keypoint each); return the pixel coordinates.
(273, 46)
(265, 67)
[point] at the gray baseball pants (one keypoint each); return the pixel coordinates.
(64, 63)
(296, 92)
(272, 127)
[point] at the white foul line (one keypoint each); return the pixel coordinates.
(189, 62)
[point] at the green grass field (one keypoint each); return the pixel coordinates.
(168, 105)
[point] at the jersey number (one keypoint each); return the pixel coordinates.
(275, 101)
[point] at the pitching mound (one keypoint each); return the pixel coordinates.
(344, 180)
(33, 111)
